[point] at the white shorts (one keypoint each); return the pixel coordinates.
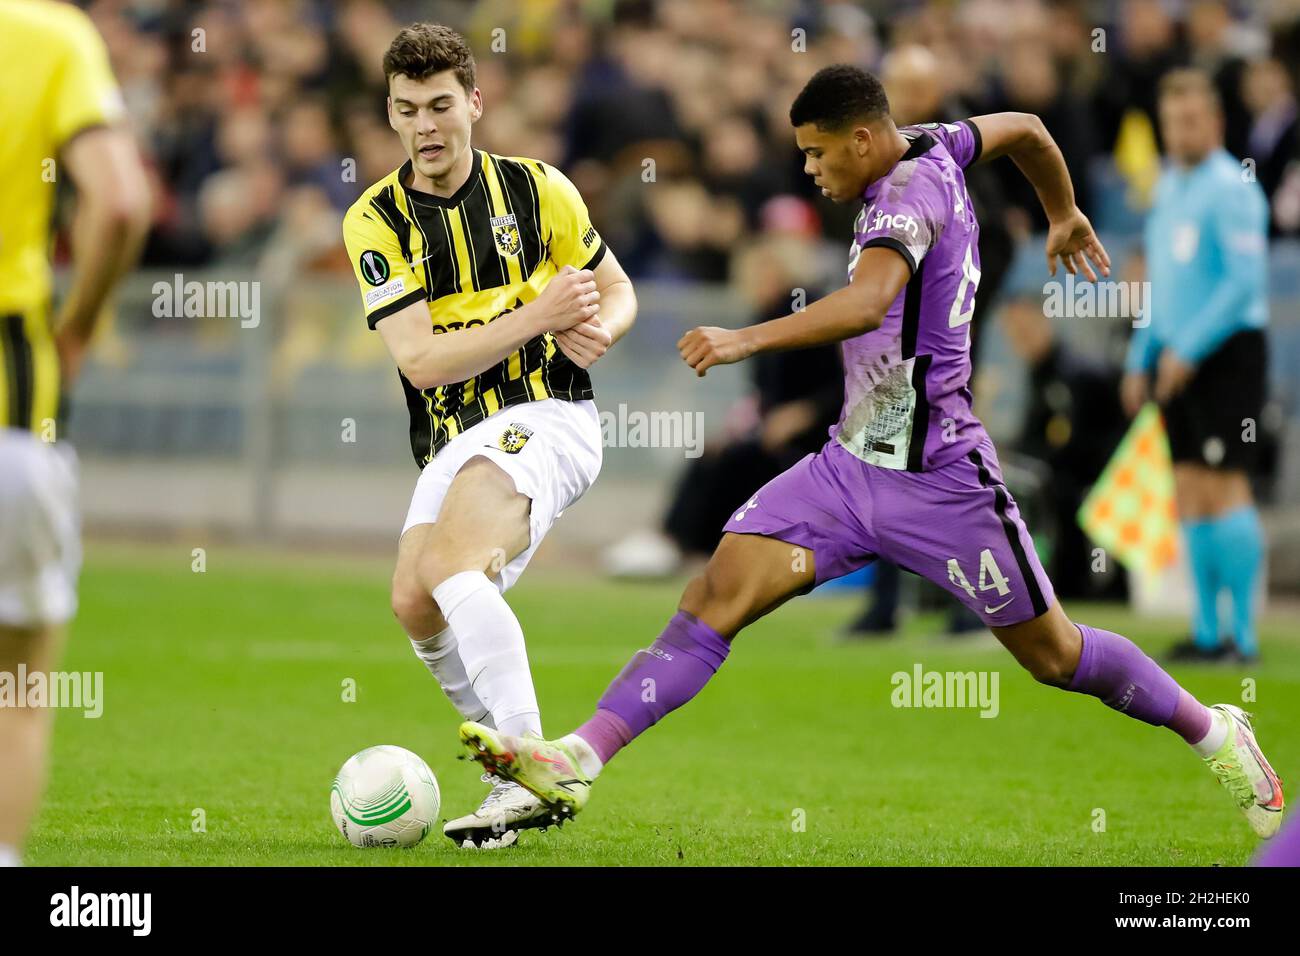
(552, 449)
(40, 530)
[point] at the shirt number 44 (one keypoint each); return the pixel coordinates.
(991, 578)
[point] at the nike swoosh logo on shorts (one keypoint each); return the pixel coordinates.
(994, 610)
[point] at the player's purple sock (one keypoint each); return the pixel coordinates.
(1115, 670)
(606, 732)
(655, 681)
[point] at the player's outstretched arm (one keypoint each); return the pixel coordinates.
(859, 307)
(429, 360)
(1070, 235)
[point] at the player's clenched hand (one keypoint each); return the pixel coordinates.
(1072, 239)
(707, 346)
(570, 298)
(585, 343)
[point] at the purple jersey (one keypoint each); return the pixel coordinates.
(907, 400)
(907, 409)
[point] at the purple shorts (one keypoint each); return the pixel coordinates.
(957, 525)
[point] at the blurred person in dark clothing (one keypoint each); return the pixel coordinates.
(690, 233)
(1148, 46)
(796, 398)
(1071, 40)
(310, 152)
(1028, 83)
(619, 100)
(1212, 48)
(733, 166)
(1073, 421)
(1273, 140)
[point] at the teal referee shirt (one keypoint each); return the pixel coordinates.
(1206, 246)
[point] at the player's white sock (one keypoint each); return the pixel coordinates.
(1215, 736)
(9, 856)
(491, 645)
(442, 657)
(589, 761)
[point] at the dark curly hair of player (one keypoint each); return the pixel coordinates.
(837, 96)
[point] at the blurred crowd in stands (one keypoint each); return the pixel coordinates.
(263, 119)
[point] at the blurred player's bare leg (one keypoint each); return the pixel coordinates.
(431, 637)
(24, 737)
(1226, 548)
(747, 577)
(481, 527)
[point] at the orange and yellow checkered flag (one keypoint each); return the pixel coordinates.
(1131, 511)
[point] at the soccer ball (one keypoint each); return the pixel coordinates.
(385, 796)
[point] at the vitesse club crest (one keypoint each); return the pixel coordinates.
(505, 231)
(514, 438)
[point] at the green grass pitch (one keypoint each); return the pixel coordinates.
(223, 692)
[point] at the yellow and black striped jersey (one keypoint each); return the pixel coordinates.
(475, 257)
(55, 82)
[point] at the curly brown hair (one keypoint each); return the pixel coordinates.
(423, 49)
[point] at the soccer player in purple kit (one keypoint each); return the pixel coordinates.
(909, 473)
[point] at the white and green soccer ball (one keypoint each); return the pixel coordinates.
(385, 796)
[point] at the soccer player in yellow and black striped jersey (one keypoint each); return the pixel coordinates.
(467, 260)
(60, 116)
(494, 294)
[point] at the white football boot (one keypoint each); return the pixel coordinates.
(507, 809)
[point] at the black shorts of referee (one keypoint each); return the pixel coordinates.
(1215, 420)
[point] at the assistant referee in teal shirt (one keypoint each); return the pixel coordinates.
(1203, 355)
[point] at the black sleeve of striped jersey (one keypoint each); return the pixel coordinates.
(397, 305)
(891, 243)
(979, 143)
(596, 256)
